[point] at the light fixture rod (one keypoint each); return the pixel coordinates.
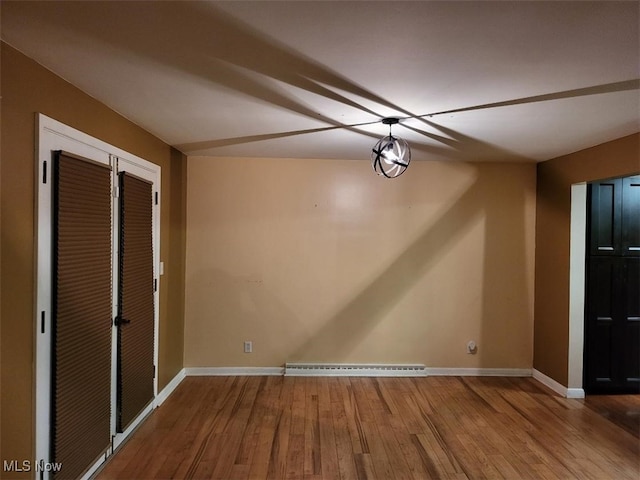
(390, 121)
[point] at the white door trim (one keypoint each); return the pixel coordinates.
(577, 275)
(53, 135)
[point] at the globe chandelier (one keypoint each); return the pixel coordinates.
(390, 157)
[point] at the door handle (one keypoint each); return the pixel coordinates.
(120, 321)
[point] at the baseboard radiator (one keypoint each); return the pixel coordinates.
(353, 370)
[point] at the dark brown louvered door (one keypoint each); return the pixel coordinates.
(135, 300)
(82, 314)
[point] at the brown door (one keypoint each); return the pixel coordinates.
(612, 329)
(135, 320)
(82, 309)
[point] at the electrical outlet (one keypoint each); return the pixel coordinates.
(248, 347)
(472, 348)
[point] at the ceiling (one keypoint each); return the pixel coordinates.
(471, 81)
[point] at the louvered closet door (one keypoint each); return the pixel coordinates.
(135, 300)
(82, 309)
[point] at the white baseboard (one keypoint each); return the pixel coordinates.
(557, 387)
(575, 393)
(478, 372)
(232, 371)
(371, 371)
(170, 387)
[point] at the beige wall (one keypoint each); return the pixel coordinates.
(555, 177)
(27, 89)
(321, 260)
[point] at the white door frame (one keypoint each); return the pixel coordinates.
(53, 135)
(577, 276)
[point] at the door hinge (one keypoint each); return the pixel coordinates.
(42, 317)
(44, 172)
(116, 192)
(156, 196)
(154, 371)
(155, 284)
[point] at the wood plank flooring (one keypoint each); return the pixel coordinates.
(381, 428)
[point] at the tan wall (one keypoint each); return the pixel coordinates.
(28, 88)
(321, 260)
(555, 177)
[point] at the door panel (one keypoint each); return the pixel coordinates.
(600, 321)
(82, 306)
(630, 216)
(136, 369)
(605, 221)
(631, 322)
(603, 276)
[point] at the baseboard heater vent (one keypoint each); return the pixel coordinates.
(353, 370)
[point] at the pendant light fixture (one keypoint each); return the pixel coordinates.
(390, 157)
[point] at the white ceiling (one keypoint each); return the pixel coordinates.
(288, 79)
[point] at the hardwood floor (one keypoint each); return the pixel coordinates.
(381, 428)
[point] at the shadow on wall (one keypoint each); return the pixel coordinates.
(504, 286)
(504, 252)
